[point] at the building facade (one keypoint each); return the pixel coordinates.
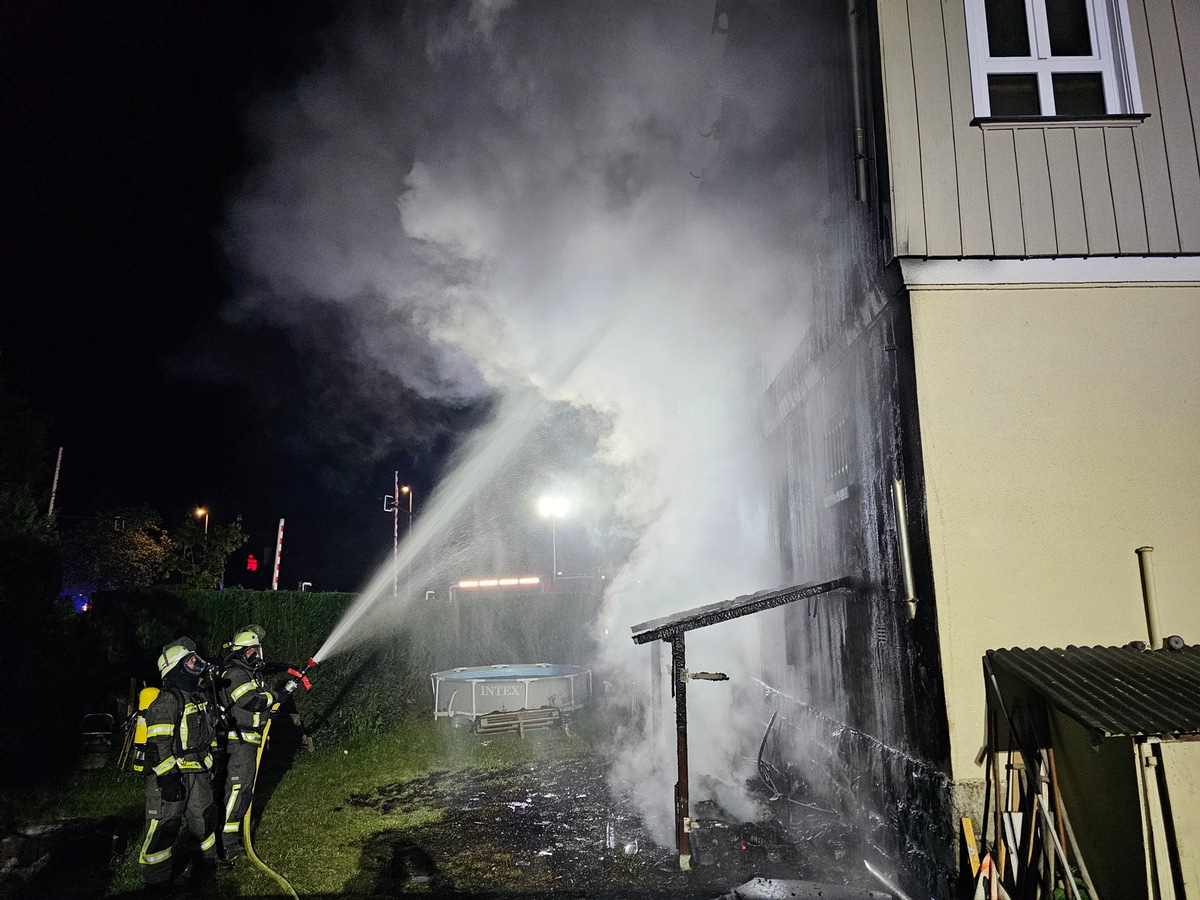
(995, 209)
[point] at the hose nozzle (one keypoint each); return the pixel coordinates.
(300, 677)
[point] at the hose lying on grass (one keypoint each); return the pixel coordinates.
(283, 882)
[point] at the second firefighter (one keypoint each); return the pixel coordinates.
(247, 702)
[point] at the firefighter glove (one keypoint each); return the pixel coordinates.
(171, 786)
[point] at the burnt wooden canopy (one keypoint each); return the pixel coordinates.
(672, 629)
(668, 627)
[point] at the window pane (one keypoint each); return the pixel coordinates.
(1079, 94)
(1014, 95)
(1069, 31)
(1007, 28)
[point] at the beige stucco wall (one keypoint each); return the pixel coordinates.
(1060, 430)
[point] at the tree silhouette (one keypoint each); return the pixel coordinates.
(201, 558)
(120, 548)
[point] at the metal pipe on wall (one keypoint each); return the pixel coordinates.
(856, 91)
(906, 569)
(1149, 597)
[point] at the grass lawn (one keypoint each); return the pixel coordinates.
(312, 806)
(312, 825)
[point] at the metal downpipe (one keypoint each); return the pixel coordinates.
(856, 91)
(1149, 596)
(906, 568)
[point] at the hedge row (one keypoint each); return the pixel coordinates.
(371, 680)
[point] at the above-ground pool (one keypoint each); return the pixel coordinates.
(477, 691)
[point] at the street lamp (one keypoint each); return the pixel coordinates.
(202, 511)
(553, 508)
(405, 489)
(391, 504)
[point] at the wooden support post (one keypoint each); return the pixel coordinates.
(656, 692)
(682, 803)
(998, 845)
(1062, 832)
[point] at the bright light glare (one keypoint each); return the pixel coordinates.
(552, 507)
(498, 582)
(201, 511)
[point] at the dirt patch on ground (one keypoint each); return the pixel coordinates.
(551, 828)
(548, 828)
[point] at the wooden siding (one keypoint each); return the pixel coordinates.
(1038, 190)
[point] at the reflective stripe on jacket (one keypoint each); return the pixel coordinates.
(244, 694)
(179, 738)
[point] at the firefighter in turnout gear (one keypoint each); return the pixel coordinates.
(247, 702)
(180, 741)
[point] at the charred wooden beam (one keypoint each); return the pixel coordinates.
(672, 629)
(683, 824)
(665, 628)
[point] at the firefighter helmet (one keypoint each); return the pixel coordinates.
(250, 636)
(246, 646)
(181, 650)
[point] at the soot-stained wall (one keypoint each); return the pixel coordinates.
(856, 683)
(860, 682)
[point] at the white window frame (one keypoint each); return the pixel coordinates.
(1112, 56)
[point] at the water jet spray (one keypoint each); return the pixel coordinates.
(494, 446)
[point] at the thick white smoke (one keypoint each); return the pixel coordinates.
(491, 189)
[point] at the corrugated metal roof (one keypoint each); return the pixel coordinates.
(1113, 691)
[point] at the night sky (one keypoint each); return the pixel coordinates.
(258, 257)
(124, 136)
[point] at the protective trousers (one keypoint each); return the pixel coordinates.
(241, 762)
(164, 820)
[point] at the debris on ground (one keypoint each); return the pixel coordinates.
(553, 826)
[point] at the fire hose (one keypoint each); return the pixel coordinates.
(299, 677)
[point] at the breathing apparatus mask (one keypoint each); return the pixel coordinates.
(195, 665)
(246, 648)
(252, 657)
